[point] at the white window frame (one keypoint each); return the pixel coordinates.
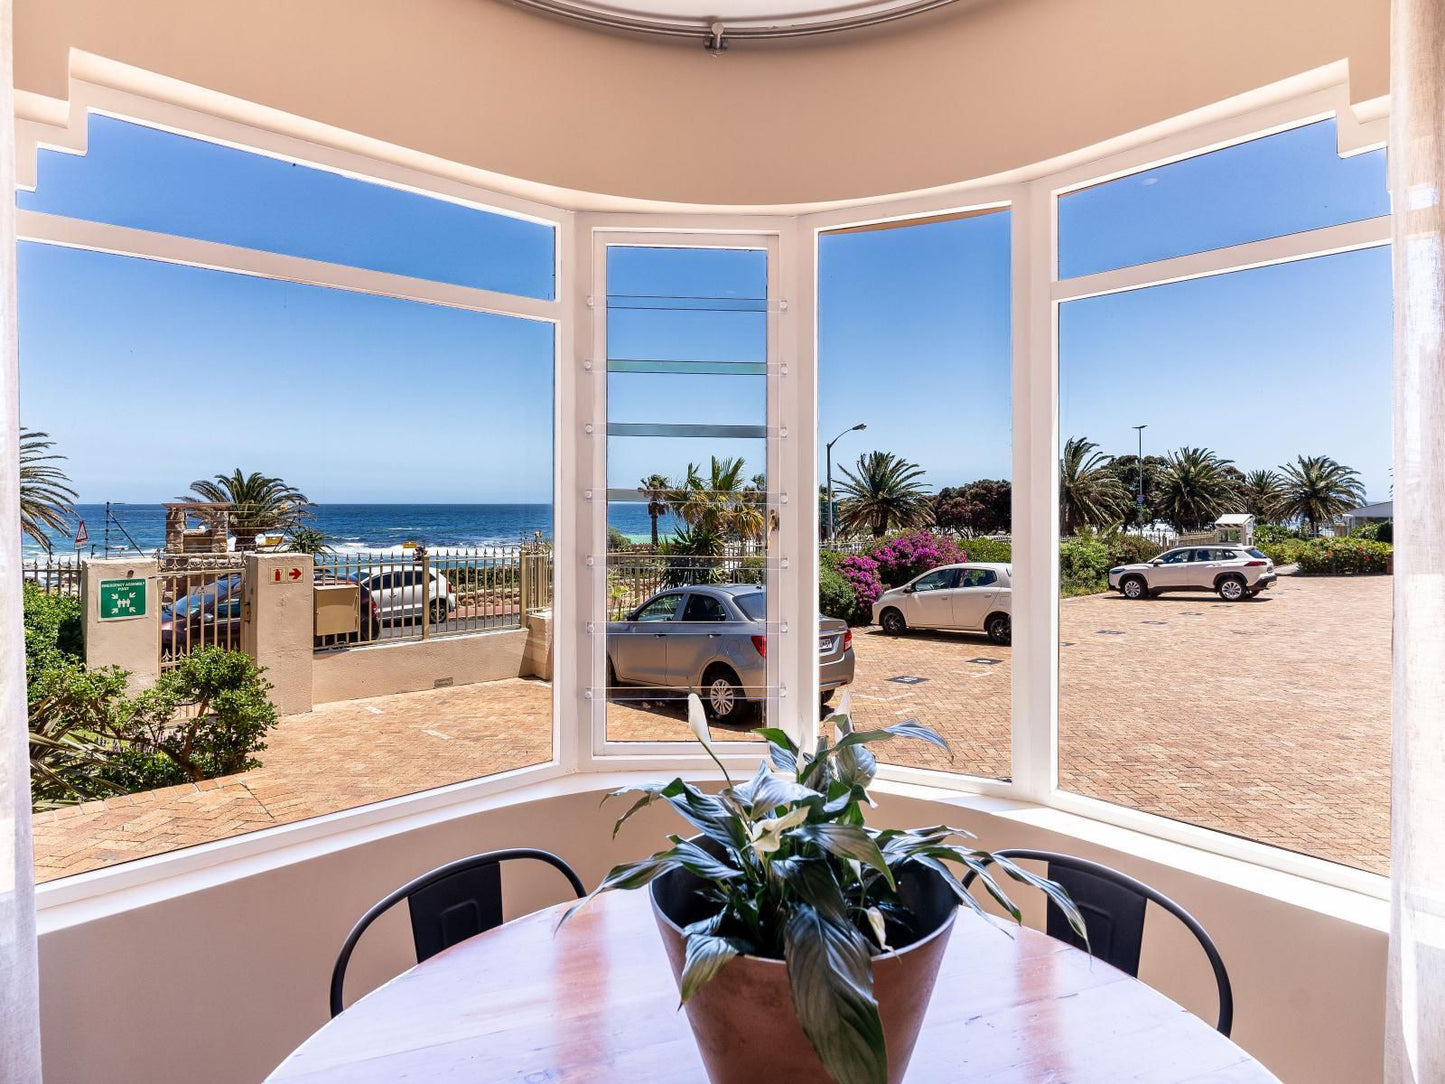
(579, 743)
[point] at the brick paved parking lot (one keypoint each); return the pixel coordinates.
(1267, 718)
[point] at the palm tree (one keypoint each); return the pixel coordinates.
(310, 540)
(884, 493)
(1263, 492)
(720, 502)
(658, 490)
(1090, 493)
(46, 499)
(1195, 487)
(258, 503)
(1317, 489)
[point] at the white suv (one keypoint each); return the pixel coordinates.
(1236, 572)
(976, 597)
(399, 597)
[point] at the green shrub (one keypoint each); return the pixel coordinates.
(73, 754)
(1378, 531)
(1083, 566)
(1284, 552)
(1128, 549)
(1273, 532)
(52, 632)
(996, 550)
(208, 715)
(837, 598)
(1344, 556)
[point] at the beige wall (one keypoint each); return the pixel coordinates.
(164, 998)
(277, 622)
(416, 665)
(960, 94)
(133, 643)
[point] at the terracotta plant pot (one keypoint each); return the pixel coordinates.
(743, 1020)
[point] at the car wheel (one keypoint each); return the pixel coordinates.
(1232, 589)
(722, 696)
(893, 622)
(611, 676)
(438, 612)
(1134, 587)
(827, 696)
(1000, 629)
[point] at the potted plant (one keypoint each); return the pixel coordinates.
(805, 944)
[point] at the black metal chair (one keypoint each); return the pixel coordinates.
(1113, 905)
(447, 905)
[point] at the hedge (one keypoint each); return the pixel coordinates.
(1344, 556)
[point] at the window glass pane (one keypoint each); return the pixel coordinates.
(1245, 689)
(686, 456)
(1279, 184)
(141, 177)
(913, 326)
(151, 377)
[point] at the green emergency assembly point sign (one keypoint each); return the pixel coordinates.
(122, 598)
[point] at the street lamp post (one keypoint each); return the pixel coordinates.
(835, 440)
(1139, 501)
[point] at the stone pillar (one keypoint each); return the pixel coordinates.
(120, 605)
(276, 625)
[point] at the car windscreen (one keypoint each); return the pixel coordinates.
(754, 606)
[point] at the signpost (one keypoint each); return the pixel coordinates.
(81, 535)
(121, 599)
(286, 575)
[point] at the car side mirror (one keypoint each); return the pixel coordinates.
(1156, 561)
(909, 589)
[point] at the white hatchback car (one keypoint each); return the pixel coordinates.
(973, 597)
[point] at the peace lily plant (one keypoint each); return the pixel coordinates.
(790, 872)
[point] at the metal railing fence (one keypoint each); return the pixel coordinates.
(633, 577)
(417, 594)
(53, 575)
(200, 603)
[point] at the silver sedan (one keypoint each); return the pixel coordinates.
(712, 640)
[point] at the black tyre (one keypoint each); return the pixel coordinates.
(438, 612)
(1232, 589)
(999, 628)
(611, 676)
(893, 622)
(722, 696)
(1134, 587)
(827, 696)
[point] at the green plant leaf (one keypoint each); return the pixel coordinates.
(697, 861)
(706, 956)
(847, 841)
(854, 765)
(813, 881)
(781, 749)
(909, 729)
(832, 986)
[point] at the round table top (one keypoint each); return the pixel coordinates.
(596, 1001)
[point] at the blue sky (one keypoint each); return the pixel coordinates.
(149, 375)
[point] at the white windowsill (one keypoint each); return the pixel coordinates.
(102, 893)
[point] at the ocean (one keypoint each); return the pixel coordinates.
(358, 528)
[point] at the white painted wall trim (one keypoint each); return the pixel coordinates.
(1326, 241)
(211, 255)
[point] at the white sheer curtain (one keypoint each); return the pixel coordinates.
(1415, 1015)
(19, 986)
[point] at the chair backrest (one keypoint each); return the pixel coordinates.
(1113, 906)
(447, 905)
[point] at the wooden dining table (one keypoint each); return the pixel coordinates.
(528, 1003)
